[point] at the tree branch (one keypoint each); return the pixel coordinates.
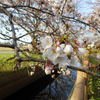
(6, 35)
(63, 17)
(7, 45)
(71, 67)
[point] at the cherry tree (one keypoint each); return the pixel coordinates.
(54, 27)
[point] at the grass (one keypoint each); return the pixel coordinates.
(93, 84)
(5, 49)
(6, 65)
(93, 61)
(93, 88)
(9, 65)
(94, 51)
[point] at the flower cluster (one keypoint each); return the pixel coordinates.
(57, 53)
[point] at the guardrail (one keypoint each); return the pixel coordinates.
(29, 86)
(16, 84)
(79, 91)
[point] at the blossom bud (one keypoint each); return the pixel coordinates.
(58, 43)
(47, 71)
(95, 66)
(67, 72)
(53, 71)
(31, 73)
(53, 76)
(64, 73)
(59, 72)
(88, 67)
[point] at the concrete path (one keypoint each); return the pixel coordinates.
(6, 52)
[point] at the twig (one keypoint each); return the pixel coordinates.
(41, 10)
(86, 71)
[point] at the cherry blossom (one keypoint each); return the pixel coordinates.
(48, 68)
(68, 49)
(54, 51)
(46, 42)
(51, 53)
(62, 60)
(81, 51)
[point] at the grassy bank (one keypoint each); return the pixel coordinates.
(93, 83)
(9, 65)
(94, 51)
(93, 88)
(4, 64)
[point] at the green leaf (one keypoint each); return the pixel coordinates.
(66, 36)
(61, 39)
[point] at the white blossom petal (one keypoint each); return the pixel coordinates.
(62, 46)
(52, 53)
(68, 49)
(81, 51)
(61, 59)
(58, 48)
(45, 54)
(41, 39)
(46, 42)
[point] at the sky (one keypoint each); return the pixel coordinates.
(84, 9)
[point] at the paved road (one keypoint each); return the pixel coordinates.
(6, 51)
